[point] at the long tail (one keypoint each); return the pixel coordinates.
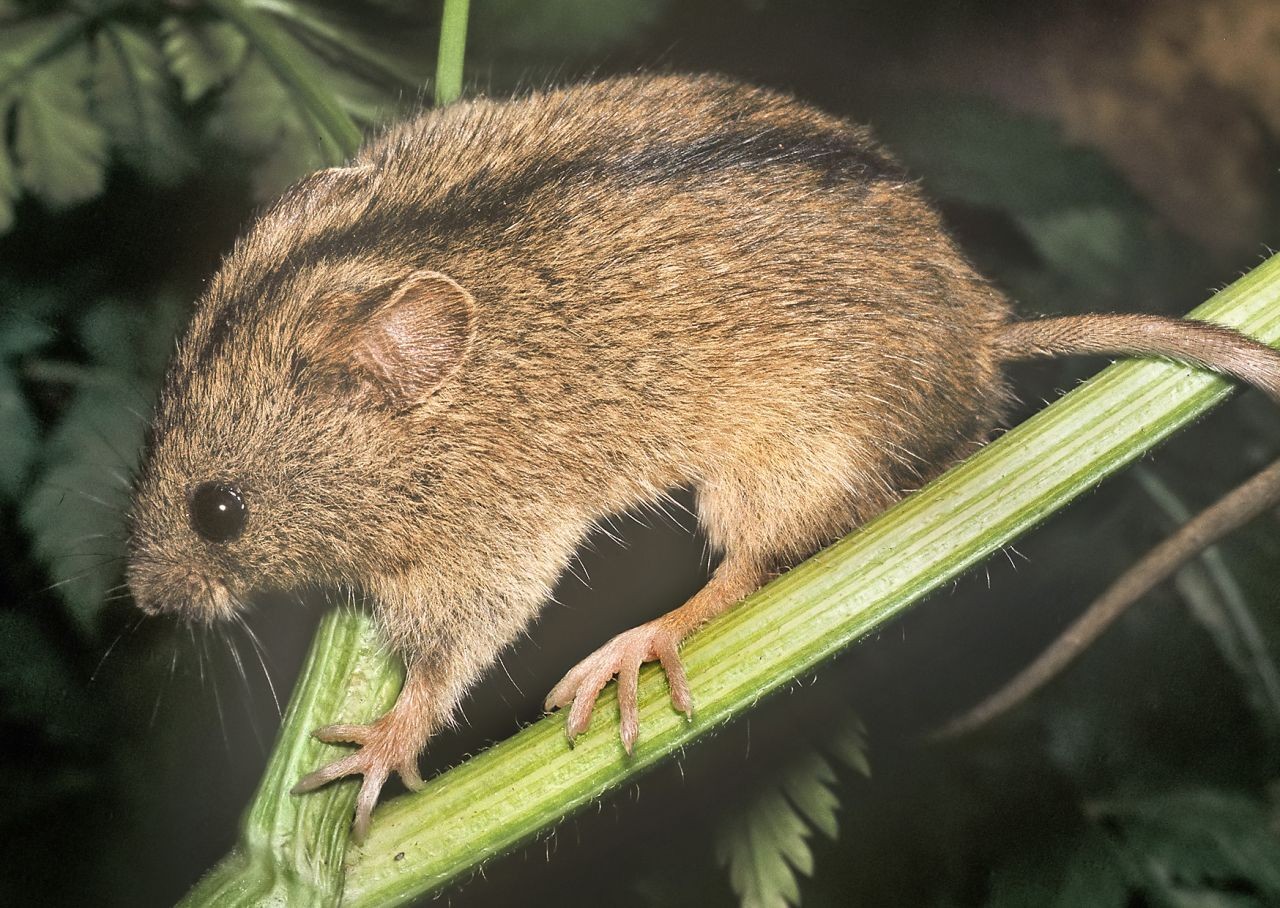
(1199, 343)
(1213, 347)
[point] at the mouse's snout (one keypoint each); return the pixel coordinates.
(184, 593)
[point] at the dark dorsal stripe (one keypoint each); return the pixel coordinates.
(468, 212)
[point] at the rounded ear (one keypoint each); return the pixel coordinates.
(415, 342)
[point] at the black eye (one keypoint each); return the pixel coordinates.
(217, 511)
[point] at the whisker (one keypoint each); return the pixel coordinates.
(244, 680)
(235, 657)
(102, 436)
(79, 575)
(115, 509)
(260, 652)
(88, 536)
(217, 696)
(108, 556)
(199, 653)
(173, 665)
(103, 661)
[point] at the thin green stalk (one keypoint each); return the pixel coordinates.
(453, 45)
(337, 130)
(291, 849)
(525, 785)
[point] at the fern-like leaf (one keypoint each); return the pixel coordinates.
(257, 114)
(765, 843)
(18, 434)
(9, 188)
(137, 102)
(61, 151)
(75, 514)
(1196, 847)
(201, 55)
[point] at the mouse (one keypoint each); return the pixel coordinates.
(428, 374)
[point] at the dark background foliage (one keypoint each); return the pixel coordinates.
(1089, 156)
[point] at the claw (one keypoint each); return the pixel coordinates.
(370, 788)
(408, 772)
(677, 681)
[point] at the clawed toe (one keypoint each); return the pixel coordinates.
(338, 769)
(409, 775)
(622, 656)
(343, 734)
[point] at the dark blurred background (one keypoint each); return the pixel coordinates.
(1095, 155)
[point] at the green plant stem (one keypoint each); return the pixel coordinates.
(337, 130)
(291, 848)
(453, 44)
(526, 784)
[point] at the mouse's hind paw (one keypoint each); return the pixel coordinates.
(382, 751)
(622, 656)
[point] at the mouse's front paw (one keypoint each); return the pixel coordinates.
(622, 656)
(383, 750)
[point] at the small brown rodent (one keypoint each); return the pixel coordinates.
(429, 374)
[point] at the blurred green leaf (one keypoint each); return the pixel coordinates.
(332, 42)
(764, 844)
(132, 340)
(849, 745)
(255, 114)
(26, 43)
(1096, 245)
(19, 430)
(136, 102)
(1080, 873)
(138, 77)
(75, 515)
(562, 27)
(974, 150)
(22, 330)
(1187, 848)
(37, 686)
(8, 176)
(1096, 239)
(61, 151)
(1196, 848)
(201, 55)
(19, 435)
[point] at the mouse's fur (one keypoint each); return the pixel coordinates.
(433, 371)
